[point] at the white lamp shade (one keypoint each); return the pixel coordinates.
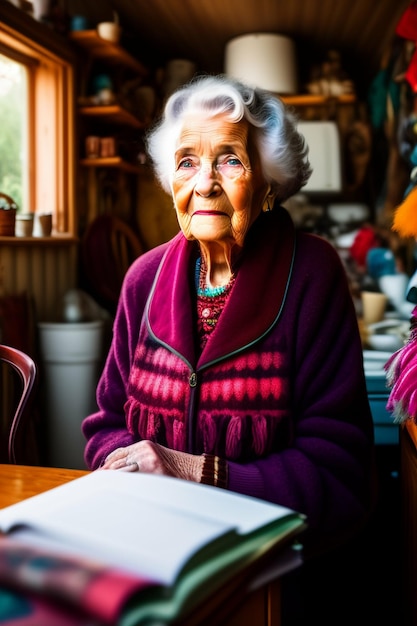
(263, 60)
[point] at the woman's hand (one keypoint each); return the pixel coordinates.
(152, 458)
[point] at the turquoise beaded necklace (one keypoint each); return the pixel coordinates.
(209, 292)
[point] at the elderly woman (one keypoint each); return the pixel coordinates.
(236, 359)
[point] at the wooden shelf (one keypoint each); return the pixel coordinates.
(112, 113)
(116, 162)
(56, 239)
(318, 100)
(112, 53)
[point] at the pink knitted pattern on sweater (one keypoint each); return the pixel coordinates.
(240, 402)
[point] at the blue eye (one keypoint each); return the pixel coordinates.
(187, 163)
(232, 161)
(230, 166)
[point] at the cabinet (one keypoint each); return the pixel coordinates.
(106, 181)
(385, 429)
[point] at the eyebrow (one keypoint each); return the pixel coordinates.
(221, 149)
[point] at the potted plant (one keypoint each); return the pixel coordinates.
(8, 209)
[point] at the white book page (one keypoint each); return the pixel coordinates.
(244, 512)
(147, 524)
(153, 543)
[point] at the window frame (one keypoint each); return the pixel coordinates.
(51, 102)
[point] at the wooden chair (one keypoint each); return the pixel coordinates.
(109, 247)
(18, 427)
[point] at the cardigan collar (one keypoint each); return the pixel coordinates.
(255, 301)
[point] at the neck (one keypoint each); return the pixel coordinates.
(217, 265)
(218, 274)
(204, 286)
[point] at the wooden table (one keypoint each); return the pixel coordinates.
(18, 482)
(233, 605)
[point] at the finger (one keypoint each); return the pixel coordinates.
(117, 464)
(132, 467)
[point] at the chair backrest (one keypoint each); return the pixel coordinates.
(109, 247)
(26, 368)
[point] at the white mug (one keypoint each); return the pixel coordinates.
(109, 31)
(395, 288)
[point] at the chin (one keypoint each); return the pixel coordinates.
(207, 234)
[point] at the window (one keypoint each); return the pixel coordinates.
(13, 138)
(37, 113)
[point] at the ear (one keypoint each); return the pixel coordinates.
(268, 204)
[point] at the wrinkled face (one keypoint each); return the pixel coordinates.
(218, 187)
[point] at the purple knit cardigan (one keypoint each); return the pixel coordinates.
(279, 389)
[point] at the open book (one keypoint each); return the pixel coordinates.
(130, 548)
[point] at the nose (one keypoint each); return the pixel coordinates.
(206, 182)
